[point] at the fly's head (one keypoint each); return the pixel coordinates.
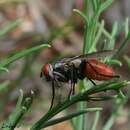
(47, 72)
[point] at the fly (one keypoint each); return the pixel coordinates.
(78, 68)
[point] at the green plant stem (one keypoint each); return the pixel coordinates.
(81, 14)
(98, 35)
(102, 98)
(54, 111)
(126, 26)
(61, 119)
(12, 122)
(127, 59)
(117, 108)
(94, 125)
(122, 45)
(22, 54)
(80, 119)
(113, 85)
(8, 28)
(110, 122)
(21, 108)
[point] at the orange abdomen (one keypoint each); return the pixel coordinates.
(97, 70)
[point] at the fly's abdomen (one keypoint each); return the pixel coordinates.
(97, 70)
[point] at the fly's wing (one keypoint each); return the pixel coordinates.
(89, 56)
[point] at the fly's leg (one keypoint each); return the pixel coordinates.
(70, 92)
(74, 78)
(53, 91)
(73, 89)
(58, 83)
(59, 90)
(53, 94)
(92, 82)
(114, 76)
(73, 75)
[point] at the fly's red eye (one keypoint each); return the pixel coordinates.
(45, 70)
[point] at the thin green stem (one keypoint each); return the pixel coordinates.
(75, 114)
(113, 85)
(95, 122)
(81, 14)
(22, 106)
(10, 26)
(110, 122)
(21, 54)
(120, 49)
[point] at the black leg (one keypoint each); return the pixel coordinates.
(53, 94)
(58, 84)
(71, 80)
(59, 90)
(74, 78)
(70, 92)
(73, 89)
(59, 75)
(92, 82)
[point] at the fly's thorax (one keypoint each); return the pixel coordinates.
(58, 65)
(76, 63)
(81, 70)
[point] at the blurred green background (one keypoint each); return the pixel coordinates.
(28, 23)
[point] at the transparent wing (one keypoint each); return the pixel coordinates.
(88, 56)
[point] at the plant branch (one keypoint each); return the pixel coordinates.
(70, 116)
(111, 85)
(21, 108)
